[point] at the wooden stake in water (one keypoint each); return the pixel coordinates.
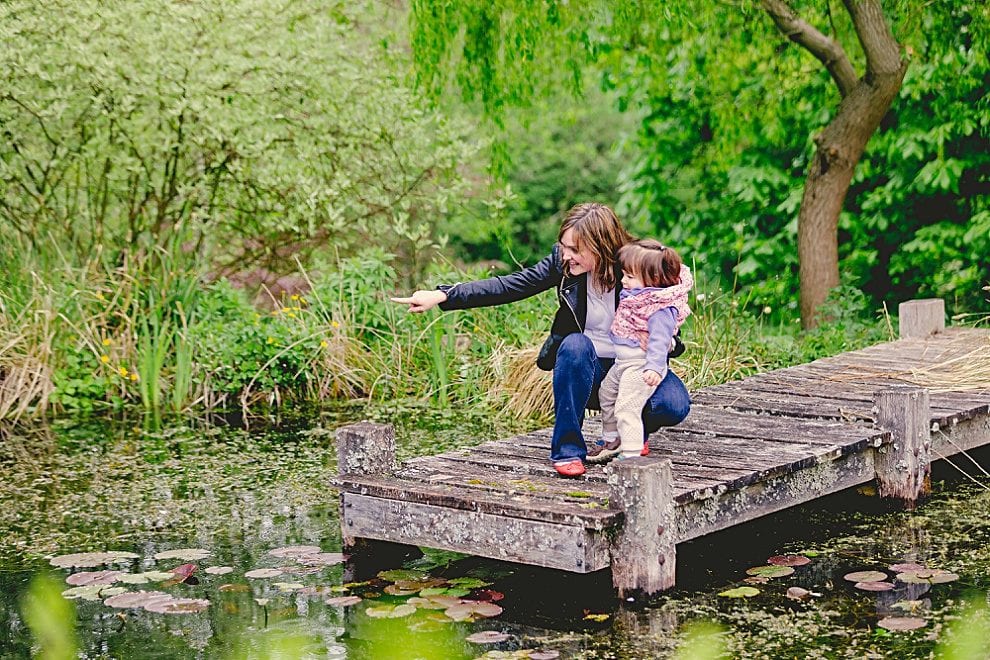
(903, 465)
(644, 552)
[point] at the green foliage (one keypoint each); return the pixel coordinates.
(725, 180)
(51, 618)
(557, 153)
(262, 129)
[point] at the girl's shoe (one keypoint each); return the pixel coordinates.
(646, 449)
(573, 468)
(602, 451)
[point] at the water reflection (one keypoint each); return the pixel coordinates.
(240, 496)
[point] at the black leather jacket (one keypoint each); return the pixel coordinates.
(572, 296)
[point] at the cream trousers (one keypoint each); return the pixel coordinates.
(623, 394)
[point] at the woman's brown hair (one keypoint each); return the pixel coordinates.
(597, 227)
(652, 262)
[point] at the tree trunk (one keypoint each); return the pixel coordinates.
(840, 145)
(839, 148)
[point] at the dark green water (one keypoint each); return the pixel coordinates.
(240, 493)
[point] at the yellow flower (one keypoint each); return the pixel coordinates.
(99, 296)
(294, 296)
(122, 371)
(134, 377)
(104, 359)
(107, 342)
(271, 340)
(324, 344)
(334, 324)
(291, 315)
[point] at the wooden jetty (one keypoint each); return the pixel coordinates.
(748, 448)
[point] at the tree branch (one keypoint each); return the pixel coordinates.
(883, 53)
(826, 50)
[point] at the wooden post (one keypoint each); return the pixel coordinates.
(903, 466)
(364, 448)
(644, 551)
(921, 318)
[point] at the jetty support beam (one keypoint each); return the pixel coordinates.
(365, 448)
(903, 466)
(921, 318)
(644, 551)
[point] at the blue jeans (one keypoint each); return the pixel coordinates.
(576, 376)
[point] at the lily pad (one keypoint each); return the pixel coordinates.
(85, 592)
(904, 568)
(908, 605)
(798, 593)
(219, 570)
(901, 623)
(322, 559)
(90, 559)
(756, 579)
(770, 571)
(403, 574)
(740, 592)
(390, 611)
(294, 551)
(489, 595)
(396, 590)
(430, 603)
(468, 583)
(263, 573)
(234, 588)
(487, 637)
(543, 655)
(185, 554)
(343, 601)
(929, 576)
(466, 610)
(146, 577)
(288, 586)
(865, 576)
(136, 599)
(417, 585)
(874, 586)
(93, 577)
(598, 618)
(788, 560)
(178, 606)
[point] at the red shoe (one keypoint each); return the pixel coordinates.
(646, 449)
(569, 469)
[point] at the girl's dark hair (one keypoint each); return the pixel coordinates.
(652, 262)
(597, 227)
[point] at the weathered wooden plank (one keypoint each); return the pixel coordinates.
(439, 470)
(780, 404)
(704, 516)
(964, 436)
(589, 514)
(946, 404)
(566, 547)
(771, 427)
(682, 482)
(727, 472)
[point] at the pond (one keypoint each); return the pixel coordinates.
(238, 531)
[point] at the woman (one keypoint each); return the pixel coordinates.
(584, 269)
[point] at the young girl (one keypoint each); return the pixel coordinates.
(652, 307)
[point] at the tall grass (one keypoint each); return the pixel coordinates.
(149, 331)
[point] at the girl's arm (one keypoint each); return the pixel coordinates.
(661, 327)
